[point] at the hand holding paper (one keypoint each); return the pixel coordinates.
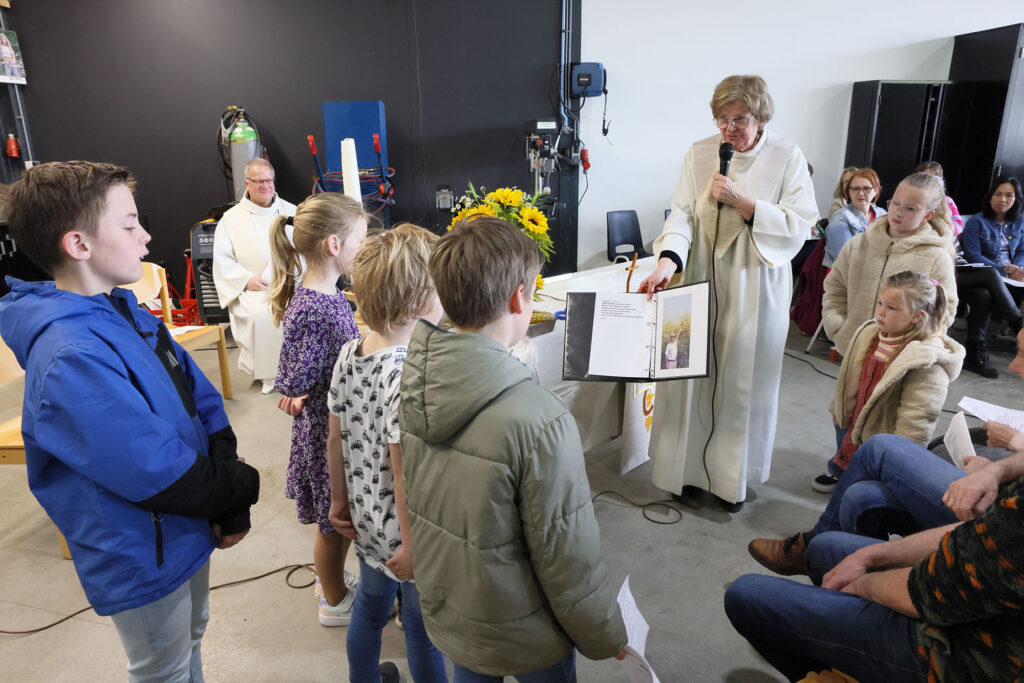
(633, 662)
(958, 440)
(999, 435)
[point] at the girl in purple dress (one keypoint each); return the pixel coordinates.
(326, 231)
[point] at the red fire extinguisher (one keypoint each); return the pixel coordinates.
(13, 149)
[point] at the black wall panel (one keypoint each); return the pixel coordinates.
(143, 83)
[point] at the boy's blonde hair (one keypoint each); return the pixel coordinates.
(52, 199)
(478, 265)
(316, 219)
(390, 276)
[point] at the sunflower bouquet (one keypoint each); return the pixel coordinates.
(513, 205)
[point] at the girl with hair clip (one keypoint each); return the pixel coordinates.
(893, 381)
(897, 369)
(317, 321)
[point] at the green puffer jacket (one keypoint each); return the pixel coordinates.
(507, 553)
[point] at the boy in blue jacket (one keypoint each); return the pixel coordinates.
(127, 444)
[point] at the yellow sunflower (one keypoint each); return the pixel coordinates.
(533, 220)
(540, 283)
(470, 211)
(507, 196)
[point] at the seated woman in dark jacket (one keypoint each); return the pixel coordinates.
(995, 240)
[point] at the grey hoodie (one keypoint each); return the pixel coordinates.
(506, 545)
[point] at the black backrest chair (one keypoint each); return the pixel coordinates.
(624, 238)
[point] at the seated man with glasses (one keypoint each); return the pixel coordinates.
(242, 271)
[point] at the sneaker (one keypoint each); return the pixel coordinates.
(824, 483)
(389, 673)
(337, 615)
(782, 557)
(268, 386)
(351, 582)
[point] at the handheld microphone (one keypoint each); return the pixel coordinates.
(725, 153)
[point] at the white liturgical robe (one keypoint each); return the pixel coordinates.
(719, 447)
(241, 249)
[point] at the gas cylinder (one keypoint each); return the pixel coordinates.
(245, 146)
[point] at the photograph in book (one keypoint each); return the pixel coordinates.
(675, 332)
(682, 332)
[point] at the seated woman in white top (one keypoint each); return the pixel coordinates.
(853, 219)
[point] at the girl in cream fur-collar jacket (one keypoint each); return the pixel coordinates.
(898, 367)
(915, 235)
(908, 399)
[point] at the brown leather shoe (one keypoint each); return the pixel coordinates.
(784, 557)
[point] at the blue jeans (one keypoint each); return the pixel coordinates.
(892, 485)
(370, 614)
(163, 639)
(563, 671)
(800, 628)
(830, 466)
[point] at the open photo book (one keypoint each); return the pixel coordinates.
(614, 336)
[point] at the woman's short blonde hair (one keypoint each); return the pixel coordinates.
(752, 91)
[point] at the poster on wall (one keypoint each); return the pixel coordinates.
(10, 54)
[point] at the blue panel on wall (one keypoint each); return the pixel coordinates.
(359, 121)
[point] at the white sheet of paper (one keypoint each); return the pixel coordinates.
(635, 665)
(958, 440)
(183, 329)
(621, 339)
(636, 626)
(637, 669)
(1012, 283)
(993, 413)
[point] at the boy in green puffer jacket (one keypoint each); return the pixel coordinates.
(506, 546)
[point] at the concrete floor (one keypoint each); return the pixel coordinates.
(267, 631)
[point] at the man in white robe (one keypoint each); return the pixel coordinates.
(242, 271)
(750, 271)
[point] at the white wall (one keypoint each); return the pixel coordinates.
(664, 59)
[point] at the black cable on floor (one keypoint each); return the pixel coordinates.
(291, 568)
(804, 360)
(644, 507)
(822, 372)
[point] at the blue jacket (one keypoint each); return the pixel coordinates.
(844, 224)
(980, 240)
(113, 455)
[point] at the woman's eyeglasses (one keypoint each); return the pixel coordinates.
(901, 209)
(737, 122)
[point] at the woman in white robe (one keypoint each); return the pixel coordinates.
(712, 437)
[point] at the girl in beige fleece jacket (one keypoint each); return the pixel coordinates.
(896, 372)
(915, 235)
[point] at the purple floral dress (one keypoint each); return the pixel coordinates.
(315, 328)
